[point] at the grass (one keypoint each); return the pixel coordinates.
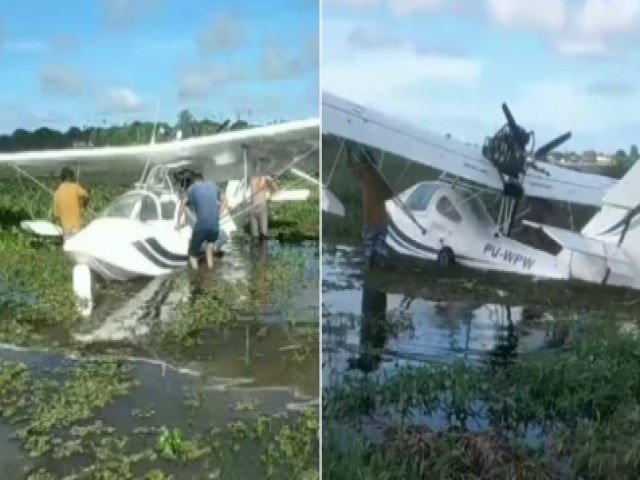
(558, 415)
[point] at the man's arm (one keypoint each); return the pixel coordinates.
(83, 195)
(223, 204)
(272, 184)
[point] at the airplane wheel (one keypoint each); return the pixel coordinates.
(446, 257)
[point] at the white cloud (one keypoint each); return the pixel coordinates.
(123, 99)
(405, 7)
(578, 45)
(584, 29)
(355, 4)
(608, 17)
(611, 88)
(539, 15)
(280, 63)
(61, 79)
(369, 76)
(224, 33)
(408, 7)
(123, 13)
(201, 82)
(380, 65)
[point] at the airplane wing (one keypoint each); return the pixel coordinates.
(565, 185)
(369, 127)
(219, 156)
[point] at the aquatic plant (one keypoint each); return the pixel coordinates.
(584, 400)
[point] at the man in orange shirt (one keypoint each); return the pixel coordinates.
(68, 203)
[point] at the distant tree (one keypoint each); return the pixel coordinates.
(102, 135)
(620, 156)
(634, 156)
(186, 122)
(589, 156)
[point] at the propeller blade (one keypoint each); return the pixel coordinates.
(519, 133)
(547, 147)
(510, 120)
(223, 126)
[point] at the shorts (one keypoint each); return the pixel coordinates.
(375, 242)
(198, 237)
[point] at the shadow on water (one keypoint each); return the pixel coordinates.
(261, 366)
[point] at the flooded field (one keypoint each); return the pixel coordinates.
(455, 374)
(184, 376)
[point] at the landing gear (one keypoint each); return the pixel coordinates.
(446, 258)
(83, 288)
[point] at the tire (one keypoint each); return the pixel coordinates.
(446, 258)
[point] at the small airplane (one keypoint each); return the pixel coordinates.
(136, 235)
(446, 220)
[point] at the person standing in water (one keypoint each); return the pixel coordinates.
(69, 201)
(260, 185)
(206, 201)
(374, 213)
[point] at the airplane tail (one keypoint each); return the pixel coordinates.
(618, 222)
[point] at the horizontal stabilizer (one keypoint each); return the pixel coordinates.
(41, 228)
(616, 259)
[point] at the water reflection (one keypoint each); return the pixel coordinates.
(374, 329)
(368, 329)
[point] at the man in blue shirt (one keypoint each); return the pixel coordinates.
(206, 201)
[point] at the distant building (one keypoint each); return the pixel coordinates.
(81, 144)
(605, 160)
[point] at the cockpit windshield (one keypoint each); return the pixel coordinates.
(122, 207)
(480, 212)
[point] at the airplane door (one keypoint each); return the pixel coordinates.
(445, 218)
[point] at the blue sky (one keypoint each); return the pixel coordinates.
(77, 62)
(447, 65)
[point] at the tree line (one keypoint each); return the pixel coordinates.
(134, 133)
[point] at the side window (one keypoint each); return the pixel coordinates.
(445, 207)
(419, 198)
(148, 209)
(168, 209)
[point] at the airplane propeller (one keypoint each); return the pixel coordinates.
(547, 147)
(223, 126)
(519, 134)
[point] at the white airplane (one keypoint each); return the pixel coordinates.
(445, 220)
(135, 235)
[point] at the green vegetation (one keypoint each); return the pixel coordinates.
(50, 415)
(64, 417)
(569, 414)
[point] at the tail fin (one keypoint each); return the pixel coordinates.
(617, 221)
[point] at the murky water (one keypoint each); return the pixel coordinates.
(366, 328)
(270, 361)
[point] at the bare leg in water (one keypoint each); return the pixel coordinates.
(209, 254)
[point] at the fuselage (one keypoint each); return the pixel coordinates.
(444, 217)
(136, 236)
